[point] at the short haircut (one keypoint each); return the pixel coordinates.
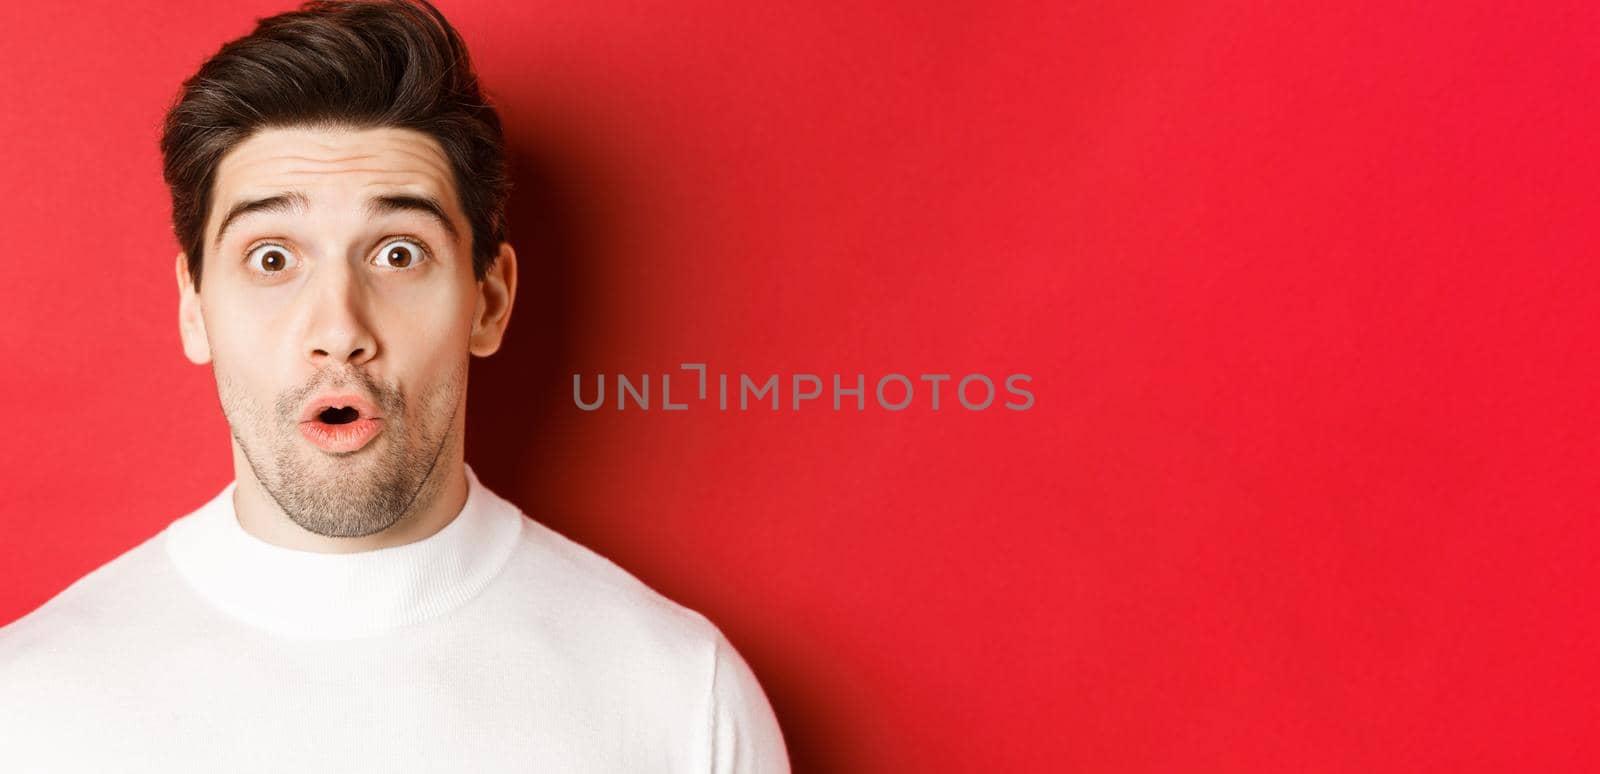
(394, 63)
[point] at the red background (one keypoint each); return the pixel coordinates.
(1306, 294)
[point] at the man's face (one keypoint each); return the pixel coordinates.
(349, 286)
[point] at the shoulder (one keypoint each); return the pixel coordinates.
(55, 652)
(568, 577)
(96, 602)
(657, 650)
(577, 608)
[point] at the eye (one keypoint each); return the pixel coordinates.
(268, 258)
(402, 254)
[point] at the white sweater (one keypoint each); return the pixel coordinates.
(495, 644)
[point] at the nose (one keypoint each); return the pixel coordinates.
(338, 332)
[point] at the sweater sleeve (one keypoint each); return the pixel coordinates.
(745, 738)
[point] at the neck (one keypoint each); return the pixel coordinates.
(326, 595)
(437, 502)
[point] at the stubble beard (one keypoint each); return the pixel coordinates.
(346, 495)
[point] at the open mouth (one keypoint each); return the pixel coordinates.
(338, 415)
(339, 428)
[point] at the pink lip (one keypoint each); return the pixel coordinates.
(340, 438)
(343, 438)
(315, 406)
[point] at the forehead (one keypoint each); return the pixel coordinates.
(332, 164)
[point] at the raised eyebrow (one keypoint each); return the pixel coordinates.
(288, 201)
(427, 205)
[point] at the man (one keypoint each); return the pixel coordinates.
(356, 600)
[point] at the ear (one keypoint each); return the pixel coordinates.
(495, 294)
(191, 325)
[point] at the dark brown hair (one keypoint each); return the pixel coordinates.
(329, 64)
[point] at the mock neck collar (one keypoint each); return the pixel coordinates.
(308, 594)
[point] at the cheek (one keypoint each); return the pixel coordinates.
(237, 391)
(245, 362)
(242, 358)
(436, 301)
(242, 327)
(426, 346)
